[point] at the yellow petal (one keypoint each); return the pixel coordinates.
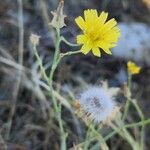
(108, 25)
(85, 48)
(96, 51)
(80, 22)
(103, 17)
(133, 68)
(107, 51)
(111, 23)
(90, 14)
(93, 13)
(113, 31)
(111, 38)
(81, 39)
(106, 47)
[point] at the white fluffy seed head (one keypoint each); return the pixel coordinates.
(98, 103)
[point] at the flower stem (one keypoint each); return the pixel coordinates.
(128, 100)
(125, 135)
(57, 108)
(140, 113)
(57, 51)
(114, 132)
(50, 82)
(141, 123)
(100, 138)
(134, 102)
(69, 53)
(67, 42)
(57, 58)
(40, 63)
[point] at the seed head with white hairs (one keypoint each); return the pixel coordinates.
(98, 103)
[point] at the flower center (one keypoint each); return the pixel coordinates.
(96, 102)
(94, 36)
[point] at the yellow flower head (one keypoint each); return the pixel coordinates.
(97, 33)
(133, 68)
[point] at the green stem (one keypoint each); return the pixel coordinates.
(40, 63)
(129, 80)
(138, 124)
(137, 108)
(100, 138)
(128, 100)
(145, 122)
(134, 102)
(87, 142)
(57, 51)
(62, 132)
(50, 82)
(69, 53)
(57, 108)
(126, 135)
(67, 42)
(56, 60)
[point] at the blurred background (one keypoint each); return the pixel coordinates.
(24, 106)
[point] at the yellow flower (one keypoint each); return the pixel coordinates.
(97, 33)
(133, 68)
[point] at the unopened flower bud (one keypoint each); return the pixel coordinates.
(34, 39)
(58, 16)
